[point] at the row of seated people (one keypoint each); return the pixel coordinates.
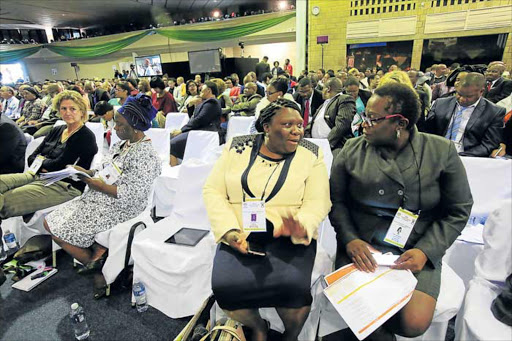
(373, 176)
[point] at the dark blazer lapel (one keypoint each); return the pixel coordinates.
(446, 116)
(387, 167)
(476, 115)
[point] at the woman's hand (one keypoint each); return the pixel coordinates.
(83, 170)
(236, 240)
(501, 151)
(360, 253)
(291, 228)
(413, 259)
(195, 101)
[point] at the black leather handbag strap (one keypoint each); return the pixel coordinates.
(131, 235)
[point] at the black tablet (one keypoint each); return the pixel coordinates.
(187, 236)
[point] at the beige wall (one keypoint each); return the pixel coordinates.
(335, 14)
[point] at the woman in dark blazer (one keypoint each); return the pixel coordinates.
(392, 166)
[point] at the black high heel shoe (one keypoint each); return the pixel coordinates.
(101, 288)
(93, 266)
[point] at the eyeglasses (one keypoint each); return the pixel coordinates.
(373, 121)
(270, 93)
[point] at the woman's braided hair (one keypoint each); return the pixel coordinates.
(272, 109)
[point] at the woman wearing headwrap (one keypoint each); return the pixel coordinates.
(119, 189)
(287, 177)
(33, 107)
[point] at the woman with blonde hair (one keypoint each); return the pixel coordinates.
(73, 143)
(225, 101)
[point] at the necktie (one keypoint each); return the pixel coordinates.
(489, 85)
(454, 130)
(306, 114)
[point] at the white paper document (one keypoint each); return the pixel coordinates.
(52, 177)
(366, 300)
(472, 234)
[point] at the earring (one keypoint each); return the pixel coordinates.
(398, 134)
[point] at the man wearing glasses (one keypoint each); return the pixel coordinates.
(309, 99)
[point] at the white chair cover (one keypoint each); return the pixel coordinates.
(490, 181)
(176, 120)
(490, 184)
(201, 145)
(98, 130)
(29, 138)
(177, 278)
(31, 147)
(239, 125)
(450, 298)
(160, 139)
(326, 149)
(116, 241)
(492, 266)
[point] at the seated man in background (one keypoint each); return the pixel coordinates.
(309, 98)
(206, 117)
(246, 103)
(32, 107)
(95, 94)
(10, 104)
(472, 122)
(333, 119)
(13, 144)
(497, 88)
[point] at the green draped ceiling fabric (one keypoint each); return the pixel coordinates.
(11, 56)
(222, 33)
(95, 50)
(194, 35)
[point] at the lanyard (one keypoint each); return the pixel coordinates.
(280, 180)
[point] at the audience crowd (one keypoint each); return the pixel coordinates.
(381, 125)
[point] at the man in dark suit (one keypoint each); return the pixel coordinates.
(262, 67)
(497, 88)
(309, 99)
(13, 145)
(473, 123)
(95, 94)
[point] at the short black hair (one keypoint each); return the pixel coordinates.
(124, 86)
(331, 73)
(403, 100)
(172, 79)
(280, 85)
(322, 71)
(351, 81)
(305, 81)
(133, 82)
(157, 82)
(102, 107)
(270, 110)
(213, 87)
(266, 75)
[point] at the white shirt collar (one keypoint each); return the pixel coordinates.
(472, 105)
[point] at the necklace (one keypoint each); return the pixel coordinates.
(66, 134)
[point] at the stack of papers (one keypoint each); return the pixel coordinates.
(472, 234)
(366, 300)
(52, 177)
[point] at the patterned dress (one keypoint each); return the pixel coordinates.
(77, 222)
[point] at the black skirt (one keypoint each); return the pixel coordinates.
(280, 279)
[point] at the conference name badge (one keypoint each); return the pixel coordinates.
(110, 174)
(36, 165)
(253, 215)
(401, 228)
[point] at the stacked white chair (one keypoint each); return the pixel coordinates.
(176, 120)
(493, 265)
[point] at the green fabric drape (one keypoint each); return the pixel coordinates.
(194, 35)
(96, 50)
(11, 56)
(222, 33)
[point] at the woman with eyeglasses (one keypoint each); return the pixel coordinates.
(389, 170)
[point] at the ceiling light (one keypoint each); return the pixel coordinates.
(283, 5)
(216, 14)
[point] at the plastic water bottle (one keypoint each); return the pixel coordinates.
(80, 326)
(139, 291)
(10, 241)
